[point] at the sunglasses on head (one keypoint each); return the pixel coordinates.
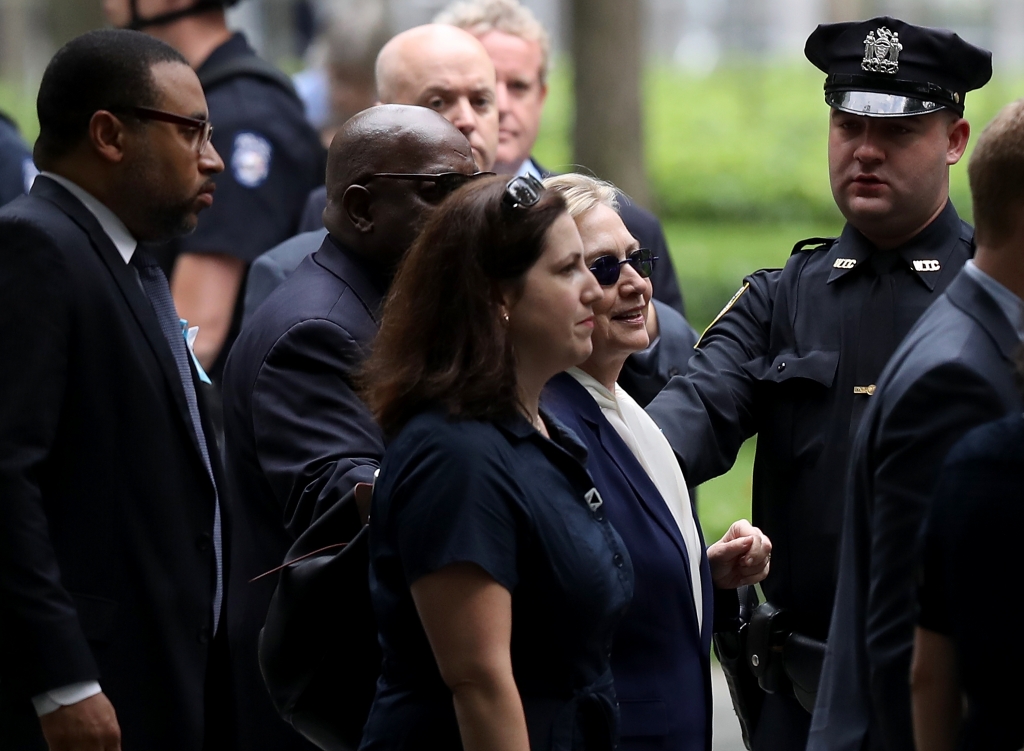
(445, 182)
(522, 192)
(606, 269)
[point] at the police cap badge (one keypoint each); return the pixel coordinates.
(884, 67)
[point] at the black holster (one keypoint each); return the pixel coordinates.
(730, 647)
(782, 659)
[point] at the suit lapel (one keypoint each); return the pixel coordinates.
(129, 286)
(630, 468)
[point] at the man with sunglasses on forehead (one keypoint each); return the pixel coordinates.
(111, 511)
(298, 436)
(795, 356)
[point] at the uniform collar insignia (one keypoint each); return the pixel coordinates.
(844, 263)
(927, 265)
(882, 51)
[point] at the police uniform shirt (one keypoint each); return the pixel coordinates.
(795, 360)
(17, 170)
(272, 160)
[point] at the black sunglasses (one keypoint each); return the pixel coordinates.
(446, 182)
(606, 269)
(522, 192)
(204, 127)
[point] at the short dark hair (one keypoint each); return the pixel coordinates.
(443, 341)
(108, 69)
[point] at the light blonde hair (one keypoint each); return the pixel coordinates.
(507, 16)
(583, 193)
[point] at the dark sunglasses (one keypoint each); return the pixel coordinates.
(203, 127)
(522, 192)
(606, 269)
(446, 182)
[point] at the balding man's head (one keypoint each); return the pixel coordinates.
(377, 216)
(449, 71)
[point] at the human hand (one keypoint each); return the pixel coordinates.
(741, 557)
(89, 725)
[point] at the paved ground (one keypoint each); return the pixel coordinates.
(726, 729)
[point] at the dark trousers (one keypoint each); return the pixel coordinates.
(782, 726)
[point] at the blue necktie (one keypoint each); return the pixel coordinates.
(155, 285)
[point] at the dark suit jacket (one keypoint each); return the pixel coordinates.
(645, 374)
(953, 371)
(268, 271)
(107, 571)
(297, 438)
(660, 657)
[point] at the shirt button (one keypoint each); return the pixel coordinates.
(617, 560)
(204, 542)
(673, 371)
(782, 366)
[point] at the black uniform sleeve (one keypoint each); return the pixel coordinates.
(43, 646)
(455, 504)
(709, 412)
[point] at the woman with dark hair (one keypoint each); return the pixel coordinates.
(496, 579)
(966, 684)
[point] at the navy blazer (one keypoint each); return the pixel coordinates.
(107, 571)
(954, 371)
(297, 439)
(660, 658)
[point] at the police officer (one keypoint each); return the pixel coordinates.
(795, 355)
(273, 159)
(16, 168)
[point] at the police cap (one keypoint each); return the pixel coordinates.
(887, 68)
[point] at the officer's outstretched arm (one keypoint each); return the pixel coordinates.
(709, 411)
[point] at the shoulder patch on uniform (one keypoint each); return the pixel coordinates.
(250, 159)
(813, 243)
(742, 290)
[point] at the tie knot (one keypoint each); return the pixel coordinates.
(885, 262)
(142, 260)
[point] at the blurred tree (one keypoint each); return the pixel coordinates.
(608, 66)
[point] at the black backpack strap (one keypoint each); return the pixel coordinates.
(249, 65)
(813, 243)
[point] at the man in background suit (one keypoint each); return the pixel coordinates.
(298, 436)
(954, 371)
(519, 47)
(111, 577)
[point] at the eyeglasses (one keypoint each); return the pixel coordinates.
(203, 127)
(606, 269)
(446, 182)
(522, 192)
